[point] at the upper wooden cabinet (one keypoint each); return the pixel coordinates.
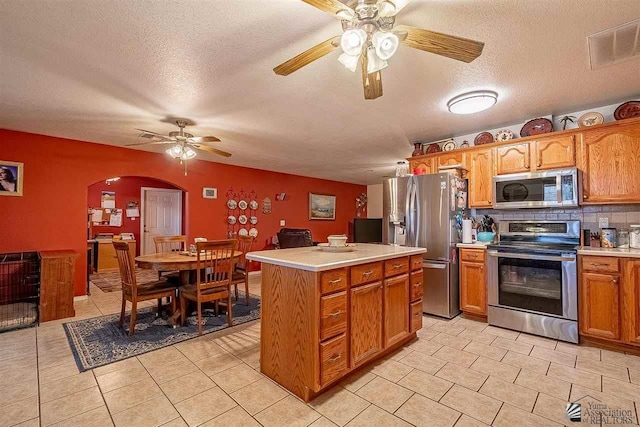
(610, 163)
(513, 159)
(555, 152)
(480, 173)
(422, 166)
(450, 158)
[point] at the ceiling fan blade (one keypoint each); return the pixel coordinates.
(150, 134)
(329, 6)
(165, 141)
(307, 57)
(372, 83)
(211, 150)
(199, 139)
(453, 47)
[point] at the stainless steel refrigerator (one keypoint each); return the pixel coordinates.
(423, 211)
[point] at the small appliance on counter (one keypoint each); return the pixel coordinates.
(532, 279)
(634, 236)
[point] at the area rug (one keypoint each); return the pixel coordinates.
(100, 340)
(109, 281)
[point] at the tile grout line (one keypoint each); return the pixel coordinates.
(38, 378)
(102, 397)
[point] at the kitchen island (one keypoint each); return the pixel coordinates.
(327, 314)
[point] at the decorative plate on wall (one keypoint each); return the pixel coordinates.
(483, 138)
(504, 135)
(253, 220)
(536, 127)
(232, 204)
(231, 219)
(243, 232)
(627, 110)
(242, 219)
(590, 119)
(253, 205)
(242, 204)
(253, 232)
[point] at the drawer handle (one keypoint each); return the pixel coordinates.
(472, 255)
(614, 281)
(335, 282)
(367, 273)
(335, 358)
(598, 264)
(418, 285)
(397, 266)
(335, 313)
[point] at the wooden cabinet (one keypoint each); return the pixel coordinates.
(450, 159)
(631, 301)
(57, 269)
(107, 254)
(480, 175)
(396, 309)
(600, 301)
(513, 159)
(473, 282)
(333, 359)
(610, 163)
(554, 153)
(422, 166)
(366, 322)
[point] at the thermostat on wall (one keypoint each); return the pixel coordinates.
(209, 193)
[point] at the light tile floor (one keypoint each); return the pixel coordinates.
(458, 372)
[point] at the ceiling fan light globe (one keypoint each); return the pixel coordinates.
(189, 153)
(374, 62)
(387, 8)
(349, 61)
(352, 41)
(472, 102)
(386, 44)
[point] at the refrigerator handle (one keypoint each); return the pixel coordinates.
(409, 214)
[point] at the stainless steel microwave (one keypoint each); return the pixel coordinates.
(545, 189)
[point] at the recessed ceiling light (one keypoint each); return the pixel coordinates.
(472, 102)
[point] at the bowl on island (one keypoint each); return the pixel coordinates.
(337, 240)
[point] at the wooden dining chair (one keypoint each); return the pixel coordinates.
(134, 292)
(168, 244)
(215, 265)
(241, 272)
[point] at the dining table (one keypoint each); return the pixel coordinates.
(183, 262)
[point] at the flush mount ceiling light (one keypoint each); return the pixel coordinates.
(472, 102)
(370, 37)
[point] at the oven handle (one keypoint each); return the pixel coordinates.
(535, 257)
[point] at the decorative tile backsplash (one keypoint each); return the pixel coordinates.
(620, 216)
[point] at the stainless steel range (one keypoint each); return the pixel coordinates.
(532, 278)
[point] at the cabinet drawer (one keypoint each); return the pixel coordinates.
(366, 273)
(600, 264)
(416, 262)
(472, 255)
(393, 267)
(415, 285)
(333, 315)
(416, 316)
(333, 280)
(333, 359)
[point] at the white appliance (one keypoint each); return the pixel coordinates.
(544, 189)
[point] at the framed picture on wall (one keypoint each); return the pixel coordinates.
(10, 178)
(322, 206)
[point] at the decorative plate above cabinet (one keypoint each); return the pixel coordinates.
(483, 138)
(536, 127)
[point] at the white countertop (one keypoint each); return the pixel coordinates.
(625, 253)
(315, 259)
(476, 245)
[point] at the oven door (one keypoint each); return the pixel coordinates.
(537, 283)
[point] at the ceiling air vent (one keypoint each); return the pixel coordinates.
(615, 45)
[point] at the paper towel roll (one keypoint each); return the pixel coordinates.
(466, 231)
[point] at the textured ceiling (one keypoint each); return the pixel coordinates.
(95, 70)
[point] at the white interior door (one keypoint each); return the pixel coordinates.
(162, 216)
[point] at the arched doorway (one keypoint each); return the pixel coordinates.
(119, 207)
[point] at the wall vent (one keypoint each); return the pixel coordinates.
(614, 45)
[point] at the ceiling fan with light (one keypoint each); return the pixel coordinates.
(370, 39)
(184, 143)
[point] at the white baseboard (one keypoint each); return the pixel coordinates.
(80, 298)
(253, 273)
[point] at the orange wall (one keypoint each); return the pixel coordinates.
(57, 172)
(127, 189)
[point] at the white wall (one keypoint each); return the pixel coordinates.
(374, 201)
